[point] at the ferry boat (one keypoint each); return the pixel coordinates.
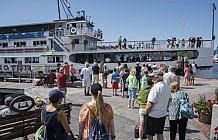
(75, 40)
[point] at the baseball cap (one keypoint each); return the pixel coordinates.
(95, 88)
(137, 63)
(8, 100)
(172, 68)
(55, 94)
(156, 73)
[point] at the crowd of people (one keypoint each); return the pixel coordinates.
(159, 95)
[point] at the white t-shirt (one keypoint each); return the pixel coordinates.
(159, 95)
(194, 68)
(86, 72)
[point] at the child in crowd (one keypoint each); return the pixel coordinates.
(115, 81)
(124, 77)
(132, 85)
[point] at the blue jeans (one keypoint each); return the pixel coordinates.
(132, 93)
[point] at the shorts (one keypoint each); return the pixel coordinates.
(155, 125)
(86, 83)
(114, 85)
(142, 117)
(125, 88)
(132, 93)
(96, 78)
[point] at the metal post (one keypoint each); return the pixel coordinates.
(5, 76)
(213, 37)
(19, 77)
(59, 13)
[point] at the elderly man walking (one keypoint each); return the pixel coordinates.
(156, 109)
(86, 75)
(170, 76)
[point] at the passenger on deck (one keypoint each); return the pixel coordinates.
(124, 42)
(120, 42)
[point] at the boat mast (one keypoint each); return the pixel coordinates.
(66, 7)
(59, 13)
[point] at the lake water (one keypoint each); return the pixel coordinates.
(215, 71)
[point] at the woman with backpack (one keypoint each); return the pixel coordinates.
(96, 110)
(57, 125)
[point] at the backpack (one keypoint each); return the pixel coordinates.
(98, 131)
(41, 133)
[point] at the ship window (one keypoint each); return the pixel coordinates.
(50, 59)
(31, 59)
(4, 45)
(10, 60)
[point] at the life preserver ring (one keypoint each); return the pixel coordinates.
(73, 30)
(6, 67)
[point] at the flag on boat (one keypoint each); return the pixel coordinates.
(183, 24)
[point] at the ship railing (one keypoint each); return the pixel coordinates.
(159, 44)
(24, 49)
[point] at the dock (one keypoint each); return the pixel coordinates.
(125, 118)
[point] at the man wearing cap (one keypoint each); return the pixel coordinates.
(56, 119)
(62, 81)
(170, 76)
(86, 78)
(5, 110)
(156, 109)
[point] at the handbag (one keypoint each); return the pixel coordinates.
(186, 109)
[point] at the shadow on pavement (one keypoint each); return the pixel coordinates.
(187, 130)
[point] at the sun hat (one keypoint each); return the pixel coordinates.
(172, 68)
(95, 88)
(55, 94)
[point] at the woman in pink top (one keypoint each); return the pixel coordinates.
(187, 75)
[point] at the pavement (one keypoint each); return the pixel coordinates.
(125, 118)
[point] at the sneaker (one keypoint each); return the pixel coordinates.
(132, 107)
(116, 95)
(129, 106)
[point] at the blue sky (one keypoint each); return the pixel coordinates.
(133, 19)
